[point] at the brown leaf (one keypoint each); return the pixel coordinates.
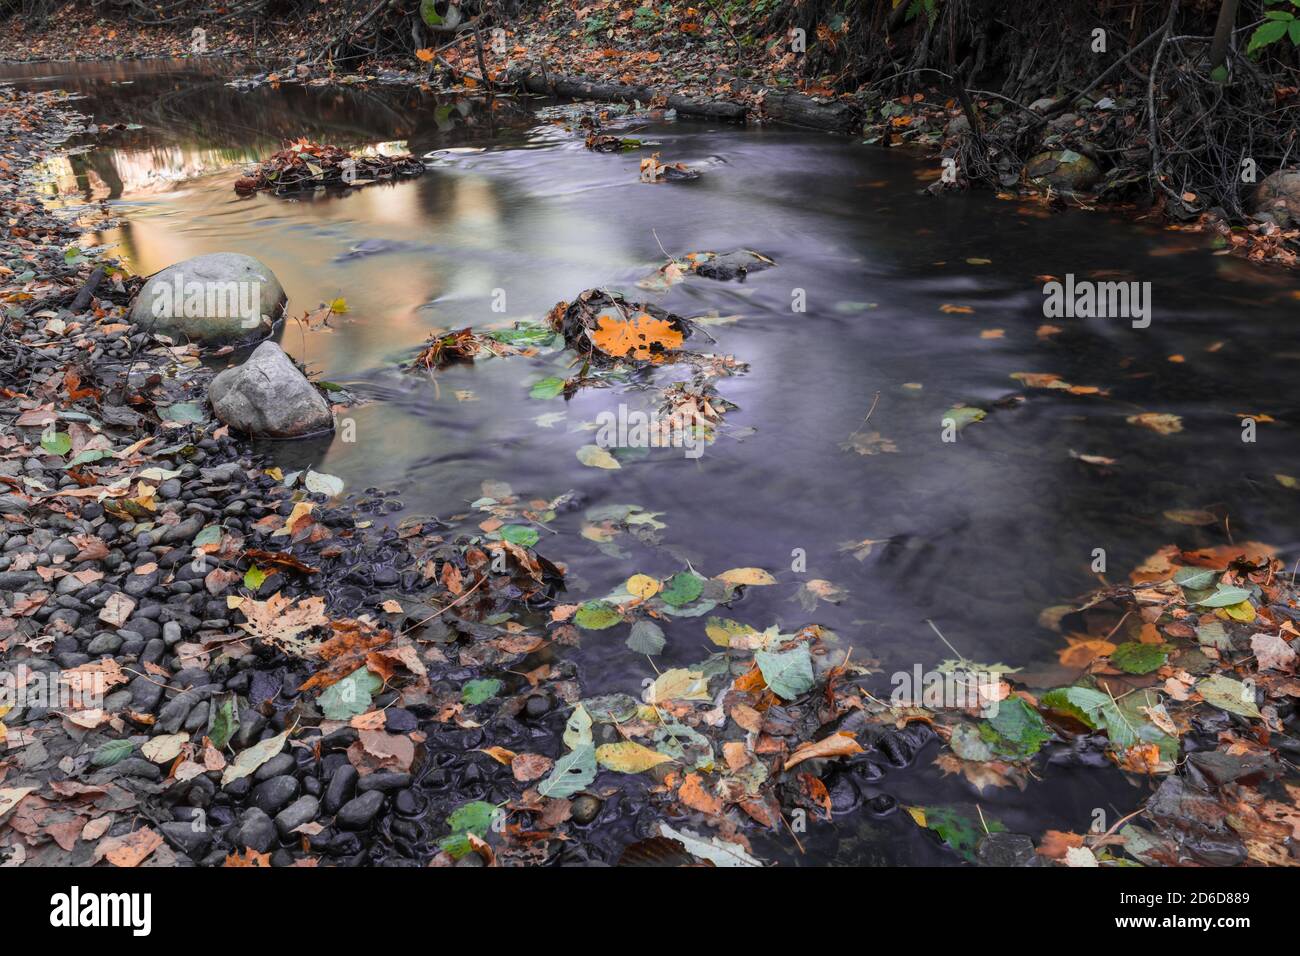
(836, 745)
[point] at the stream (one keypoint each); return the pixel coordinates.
(978, 535)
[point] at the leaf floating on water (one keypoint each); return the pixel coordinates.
(962, 415)
(1162, 423)
(597, 615)
(1194, 516)
(642, 586)
(646, 638)
(748, 576)
(593, 456)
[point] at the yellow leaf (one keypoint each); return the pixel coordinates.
(721, 630)
(499, 754)
(679, 684)
(642, 586)
(593, 456)
(1159, 422)
(629, 757)
(751, 576)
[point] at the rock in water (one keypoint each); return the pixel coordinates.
(1063, 170)
(267, 397)
(223, 298)
(1279, 196)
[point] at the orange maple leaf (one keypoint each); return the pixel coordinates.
(641, 337)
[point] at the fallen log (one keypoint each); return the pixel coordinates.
(790, 108)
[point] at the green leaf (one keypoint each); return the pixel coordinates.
(60, 443)
(963, 415)
(477, 691)
(519, 534)
(1194, 579)
(573, 772)
(1082, 703)
(1266, 34)
(787, 673)
(596, 616)
(474, 817)
(1225, 597)
(87, 456)
(254, 577)
(1136, 658)
(350, 696)
(961, 831)
(112, 752)
(182, 412)
(547, 388)
(1020, 729)
(1228, 694)
(209, 535)
(682, 588)
(646, 638)
(224, 724)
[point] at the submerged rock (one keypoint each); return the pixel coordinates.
(223, 298)
(728, 265)
(267, 397)
(1279, 196)
(1063, 170)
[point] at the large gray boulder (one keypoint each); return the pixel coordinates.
(223, 298)
(1279, 196)
(267, 397)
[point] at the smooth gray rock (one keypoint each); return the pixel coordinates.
(268, 397)
(223, 298)
(303, 810)
(1279, 196)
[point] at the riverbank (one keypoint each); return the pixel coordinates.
(206, 662)
(1124, 118)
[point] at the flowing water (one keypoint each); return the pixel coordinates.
(978, 535)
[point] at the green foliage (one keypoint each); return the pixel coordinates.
(1277, 24)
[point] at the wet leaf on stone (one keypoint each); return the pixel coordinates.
(788, 674)
(573, 772)
(1136, 658)
(112, 752)
(629, 757)
(350, 696)
(475, 692)
(1228, 694)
